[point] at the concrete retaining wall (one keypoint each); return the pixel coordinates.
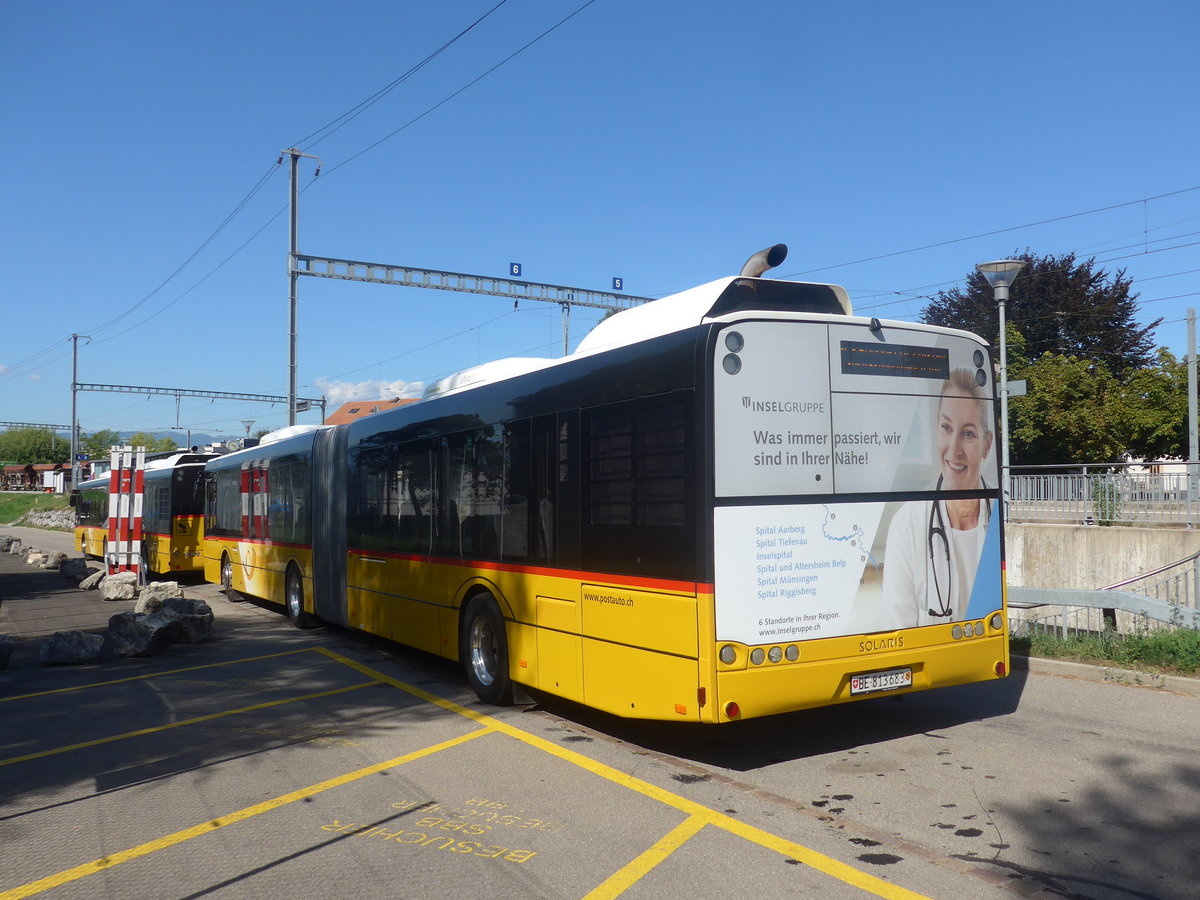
(1087, 557)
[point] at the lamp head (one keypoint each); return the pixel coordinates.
(1000, 274)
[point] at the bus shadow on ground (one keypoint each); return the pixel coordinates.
(756, 743)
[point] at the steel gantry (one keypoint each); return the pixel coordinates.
(411, 276)
(178, 393)
(41, 425)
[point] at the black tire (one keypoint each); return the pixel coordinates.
(483, 648)
(293, 599)
(227, 580)
(144, 570)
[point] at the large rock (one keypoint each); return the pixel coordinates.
(16, 548)
(75, 568)
(6, 650)
(36, 558)
(92, 581)
(152, 595)
(195, 619)
(6, 541)
(69, 647)
(137, 634)
(121, 586)
(54, 560)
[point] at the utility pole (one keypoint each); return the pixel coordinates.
(293, 250)
(74, 420)
(1192, 424)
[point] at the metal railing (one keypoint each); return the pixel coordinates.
(1119, 494)
(1165, 598)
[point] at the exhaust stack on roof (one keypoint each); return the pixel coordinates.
(763, 260)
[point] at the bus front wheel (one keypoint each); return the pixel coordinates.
(484, 651)
(294, 598)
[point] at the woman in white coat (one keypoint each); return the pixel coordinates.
(933, 546)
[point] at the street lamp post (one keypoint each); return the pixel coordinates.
(1000, 275)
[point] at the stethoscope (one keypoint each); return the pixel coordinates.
(937, 530)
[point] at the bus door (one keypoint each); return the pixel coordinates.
(252, 548)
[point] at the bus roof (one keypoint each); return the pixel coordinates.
(717, 298)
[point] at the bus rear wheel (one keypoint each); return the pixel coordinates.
(294, 600)
(484, 651)
(227, 579)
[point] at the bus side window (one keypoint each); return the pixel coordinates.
(514, 513)
(375, 510)
(411, 496)
(543, 492)
(637, 515)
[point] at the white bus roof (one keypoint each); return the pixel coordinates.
(679, 311)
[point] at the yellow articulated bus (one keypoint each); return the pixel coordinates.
(732, 502)
(90, 501)
(172, 514)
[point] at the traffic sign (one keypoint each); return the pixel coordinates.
(514, 269)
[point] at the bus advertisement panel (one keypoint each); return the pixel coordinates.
(890, 443)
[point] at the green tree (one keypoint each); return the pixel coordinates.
(1153, 401)
(151, 443)
(30, 446)
(97, 444)
(1072, 413)
(1061, 306)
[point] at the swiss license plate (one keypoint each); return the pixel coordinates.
(890, 680)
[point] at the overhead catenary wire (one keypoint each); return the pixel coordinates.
(95, 330)
(345, 118)
(995, 232)
(323, 132)
(464, 88)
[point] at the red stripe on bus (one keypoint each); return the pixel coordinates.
(662, 584)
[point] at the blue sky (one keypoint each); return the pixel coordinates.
(662, 142)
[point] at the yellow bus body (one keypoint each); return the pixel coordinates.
(259, 567)
(180, 551)
(638, 648)
(90, 540)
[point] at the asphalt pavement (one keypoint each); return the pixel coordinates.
(35, 603)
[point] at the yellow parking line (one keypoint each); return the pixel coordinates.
(84, 687)
(157, 728)
(819, 861)
(621, 880)
(170, 840)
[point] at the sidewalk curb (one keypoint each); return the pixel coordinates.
(1041, 666)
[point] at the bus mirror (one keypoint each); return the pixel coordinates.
(74, 498)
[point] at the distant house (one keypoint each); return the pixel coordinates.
(357, 409)
(54, 477)
(20, 478)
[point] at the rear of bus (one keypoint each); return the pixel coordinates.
(90, 501)
(856, 533)
(173, 515)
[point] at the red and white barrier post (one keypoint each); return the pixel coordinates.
(125, 489)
